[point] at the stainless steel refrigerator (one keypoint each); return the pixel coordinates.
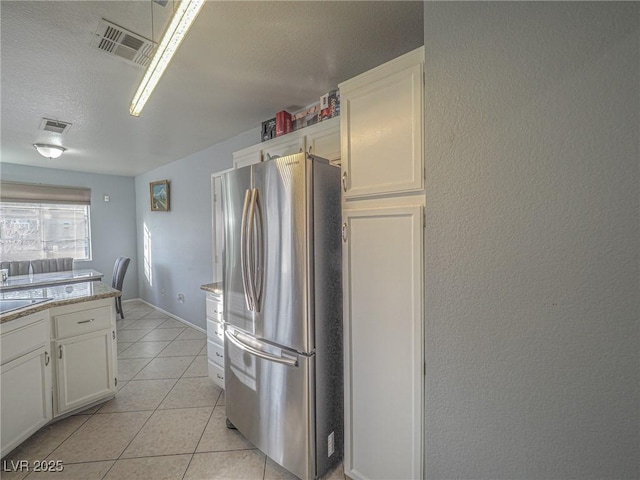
(283, 310)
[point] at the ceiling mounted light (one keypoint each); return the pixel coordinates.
(49, 151)
(182, 19)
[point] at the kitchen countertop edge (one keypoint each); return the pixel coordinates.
(212, 287)
(106, 292)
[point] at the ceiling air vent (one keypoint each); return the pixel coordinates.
(55, 126)
(126, 45)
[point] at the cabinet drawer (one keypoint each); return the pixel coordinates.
(216, 373)
(22, 340)
(84, 321)
(215, 331)
(215, 353)
(214, 309)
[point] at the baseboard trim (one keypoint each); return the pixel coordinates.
(168, 314)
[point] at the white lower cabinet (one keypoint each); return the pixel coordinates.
(25, 379)
(382, 275)
(84, 354)
(215, 339)
(84, 371)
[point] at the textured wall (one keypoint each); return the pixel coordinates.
(532, 244)
(181, 246)
(113, 224)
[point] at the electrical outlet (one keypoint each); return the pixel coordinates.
(162, 291)
(330, 445)
(180, 298)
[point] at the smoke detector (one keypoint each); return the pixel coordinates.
(123, 44)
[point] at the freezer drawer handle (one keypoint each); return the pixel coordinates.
(258, 353)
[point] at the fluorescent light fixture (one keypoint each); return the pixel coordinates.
(182, 19)
(49, 151)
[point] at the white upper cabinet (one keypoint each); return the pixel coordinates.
(247, 156)
(382, 129)
(283, 146)
(324, 140)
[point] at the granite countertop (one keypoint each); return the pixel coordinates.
(59, 295)
(25, 282)
(212, 287)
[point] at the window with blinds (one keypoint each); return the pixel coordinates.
(44, 221)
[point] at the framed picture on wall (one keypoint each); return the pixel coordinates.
(159, 193)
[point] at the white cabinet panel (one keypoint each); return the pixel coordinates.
(323, 140)
(382, 274)
(382, 129)
(25, 397)
(283, 146)
(247, 156)
(85, 369)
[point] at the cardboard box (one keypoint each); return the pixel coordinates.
(283, 123)
(332, 105)
(268, 129)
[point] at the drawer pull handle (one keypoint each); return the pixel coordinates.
(47, 359)
(344, 181)
(85, 321)
(219, 376)
(60, 354)
(218, 355)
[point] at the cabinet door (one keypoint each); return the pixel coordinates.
(382, 291)
(323, 140)
(248, 156)
(283, 146)
(84, 369)
(382, 129)
(25, 392)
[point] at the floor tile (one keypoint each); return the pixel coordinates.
(170, 432)
(143, 350)
(102, 437)
(47, 439)
(273, 471)
(129, 367)
(139, 395)
(192, 334)
(221, 399)
(123, 346)
(172, 323)
(143, 323)
(128, 336)
(198, 368)
(217, 437)
(192, 392)
(337, 473)
(167, 367)
(156, 314)
(150, 468)
(130, 314)
(75, 471)
(181, 348)
(243, 464)
(162, 334)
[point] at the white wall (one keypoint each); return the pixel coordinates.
(181, 255)
(532, 246)
(113, 224)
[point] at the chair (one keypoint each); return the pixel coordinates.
(20, 267)
(48, 265)
(119, 269)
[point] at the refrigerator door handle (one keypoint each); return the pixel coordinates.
(290, 362)
(243, 252)
(251, 248)
(259, 272)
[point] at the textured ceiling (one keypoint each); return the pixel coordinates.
(240, 63)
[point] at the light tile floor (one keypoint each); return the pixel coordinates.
(166, 422)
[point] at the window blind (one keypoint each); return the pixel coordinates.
(38, 193)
